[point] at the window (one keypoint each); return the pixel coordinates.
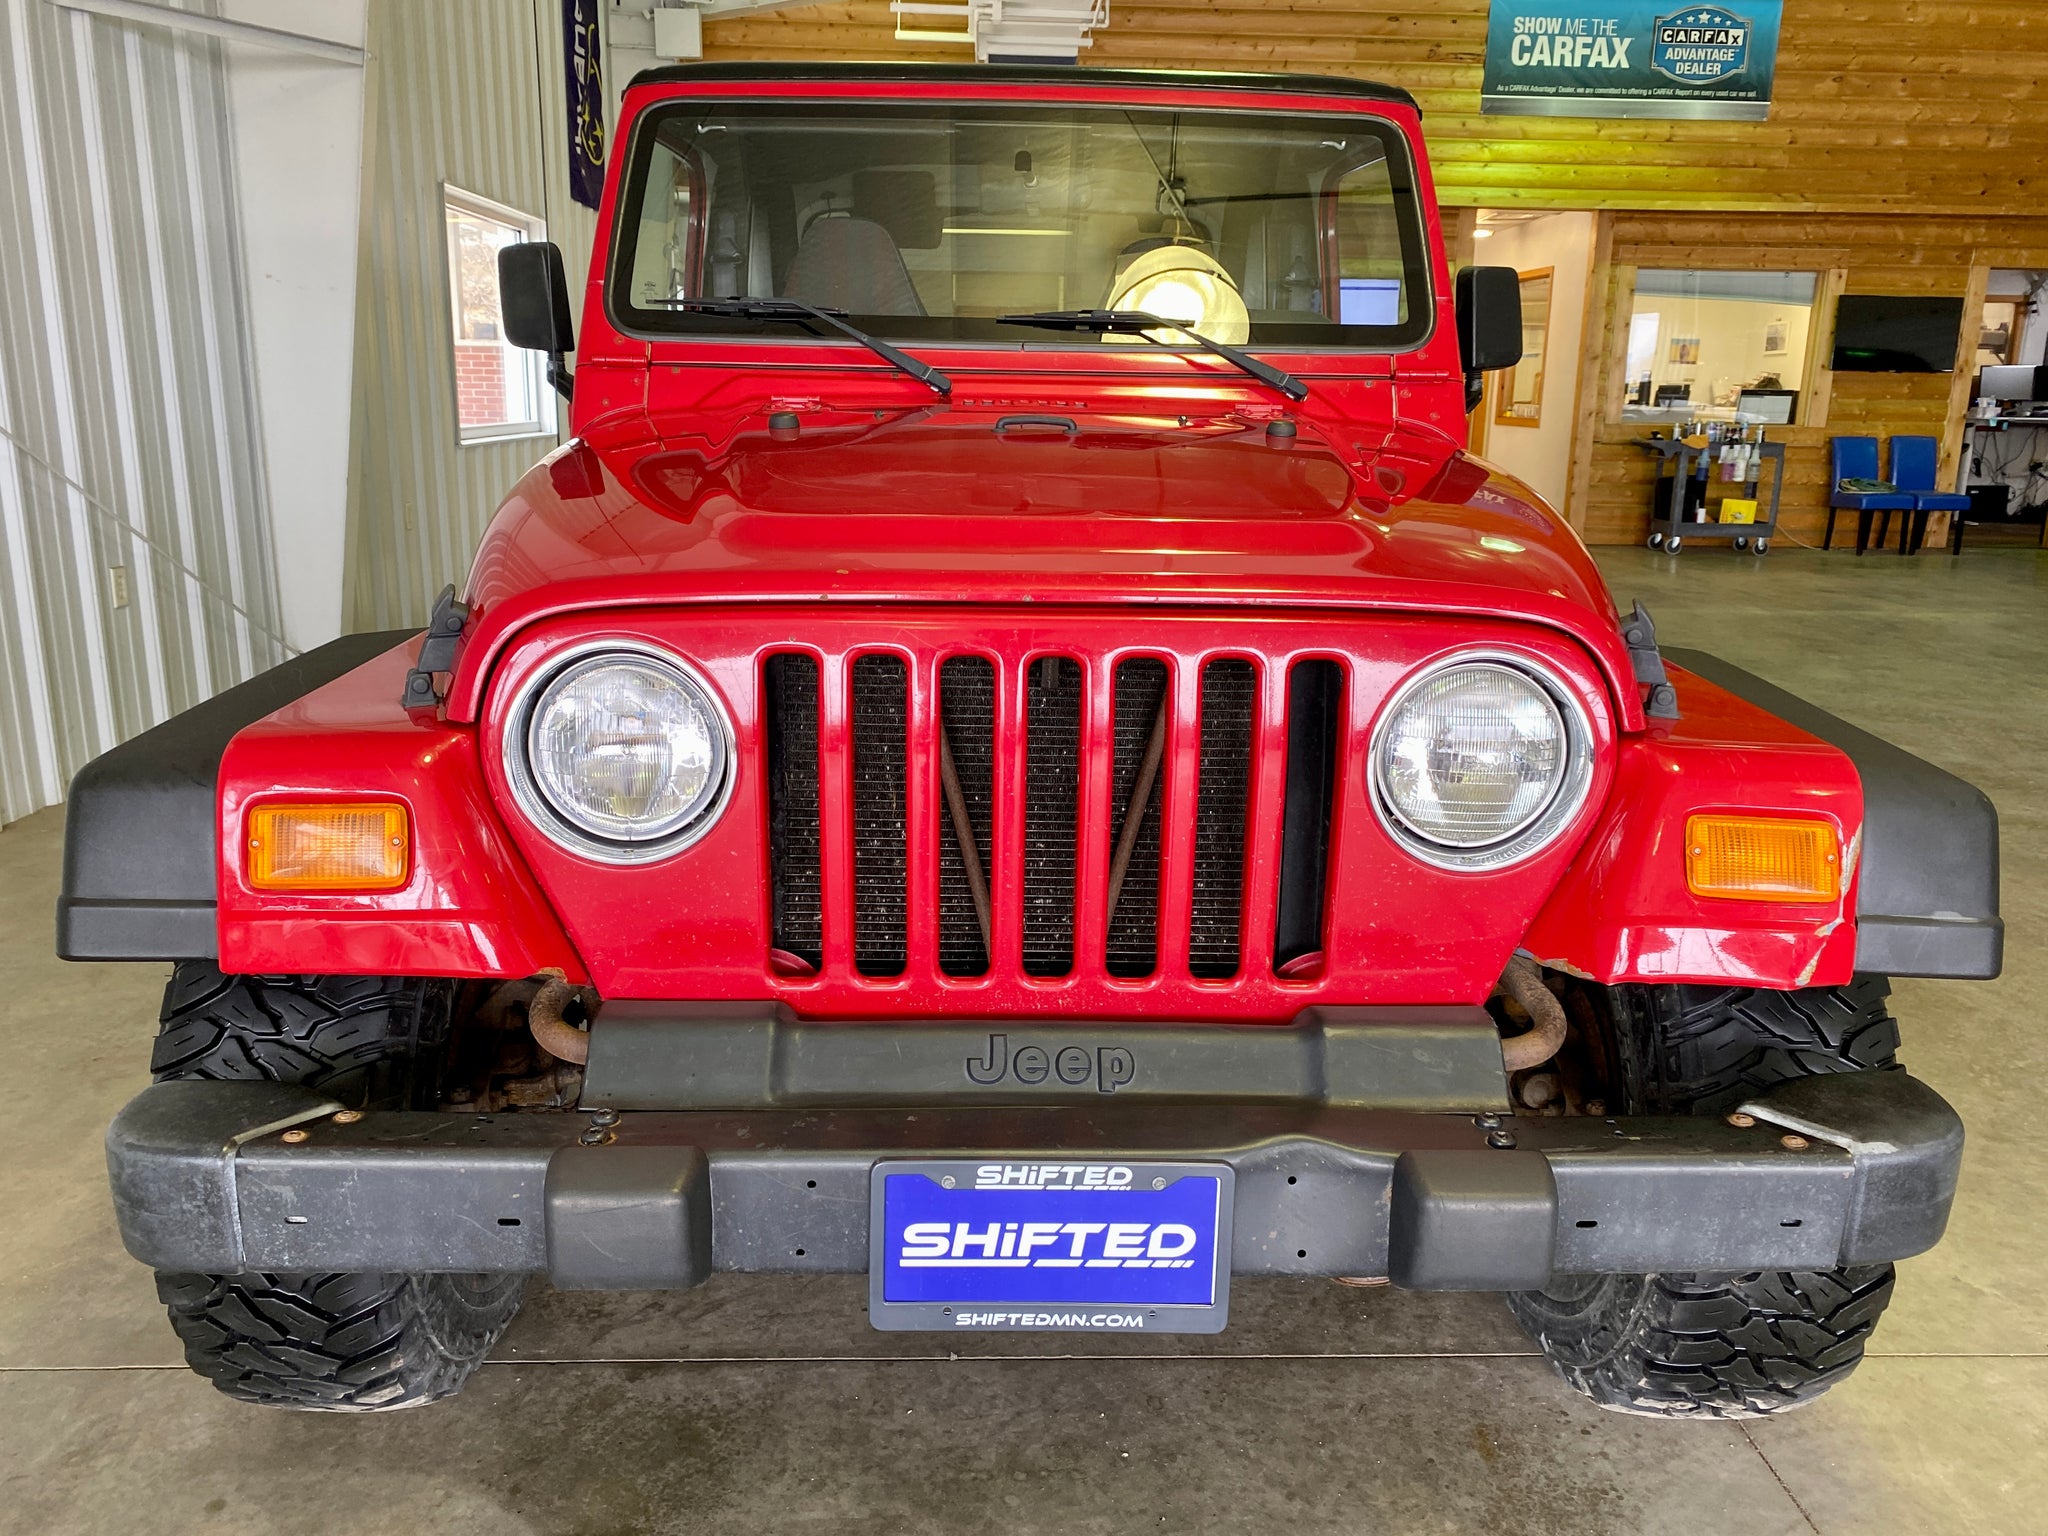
(1998, 341)
(1518, 392)
(500, 390)
(662, 249)
(1371, 289)
(932, 222)
(1719, 346)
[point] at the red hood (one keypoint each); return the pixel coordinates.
(937, 505)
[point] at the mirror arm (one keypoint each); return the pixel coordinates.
(560, 377)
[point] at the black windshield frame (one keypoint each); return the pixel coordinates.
(658, 324)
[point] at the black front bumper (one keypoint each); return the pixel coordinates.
(1848, 1169)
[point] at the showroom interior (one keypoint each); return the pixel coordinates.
(258, 393)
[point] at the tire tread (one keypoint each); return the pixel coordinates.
(331, 1342)
(349, 1343)
(1702, 1050)
(1720, 1346)
(1725, 1347)
(357, 1037)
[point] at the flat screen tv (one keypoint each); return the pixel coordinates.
(1879, 334)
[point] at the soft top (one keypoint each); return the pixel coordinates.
(1021, 74)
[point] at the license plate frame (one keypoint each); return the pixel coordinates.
(1072, 1289)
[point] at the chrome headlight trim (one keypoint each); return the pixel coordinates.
(555, 824)
(1538, 831)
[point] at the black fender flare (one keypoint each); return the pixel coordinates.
(140, 849)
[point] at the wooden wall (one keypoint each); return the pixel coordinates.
(1914, 105)
(1611, 484)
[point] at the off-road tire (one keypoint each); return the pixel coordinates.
(1703, 1050)
(1704, 1346)
(368, 1041)
(1719, 1346)
(338, 1343)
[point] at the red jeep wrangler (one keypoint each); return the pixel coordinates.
(1014, 752)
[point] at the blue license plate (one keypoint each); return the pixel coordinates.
(1115, 1247)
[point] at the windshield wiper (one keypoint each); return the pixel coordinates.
(1135, 322)
(795, 310)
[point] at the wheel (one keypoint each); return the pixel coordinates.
(1760, 546)
(1718, 1346)
(1671, 544)
(342, 1342)
(1704, 1346)
(1656, 541)
(363, 1039)
(338, 1343)
(1741, 542)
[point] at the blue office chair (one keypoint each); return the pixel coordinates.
(1914, 461)
(1855, 458)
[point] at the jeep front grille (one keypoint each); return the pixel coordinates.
(962, 815)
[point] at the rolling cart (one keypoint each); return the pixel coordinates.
(1678, 472)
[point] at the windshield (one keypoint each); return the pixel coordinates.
(930, 223)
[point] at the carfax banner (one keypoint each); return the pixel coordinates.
(1631, 58)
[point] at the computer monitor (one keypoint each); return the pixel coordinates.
(1771, 407)
(2012, 383)
(1368, 301)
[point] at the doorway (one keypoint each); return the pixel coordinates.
(1525, 423)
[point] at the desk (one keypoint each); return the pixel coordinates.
(2025, 482)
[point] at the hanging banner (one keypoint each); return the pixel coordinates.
(1631, 58)
(580, 52)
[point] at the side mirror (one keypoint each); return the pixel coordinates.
(533, 298)
(1489, 324)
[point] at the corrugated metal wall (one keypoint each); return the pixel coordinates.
(127, 417)
(469, 92)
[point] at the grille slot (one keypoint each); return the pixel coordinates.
(1229, 699)
(1315, 693)
(1133, 947)
(881, 914)
(796, 876)
(1052, 787)
(967, 704)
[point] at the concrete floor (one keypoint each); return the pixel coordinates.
(756, 1405)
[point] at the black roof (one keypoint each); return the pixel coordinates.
(1023, 74)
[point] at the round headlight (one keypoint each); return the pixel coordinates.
(624, 754)
(1480, 763)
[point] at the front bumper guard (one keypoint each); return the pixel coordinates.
(222, 1178)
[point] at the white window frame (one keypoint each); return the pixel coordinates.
(545, 424)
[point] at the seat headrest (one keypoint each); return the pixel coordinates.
(905, 203)
(851, 264)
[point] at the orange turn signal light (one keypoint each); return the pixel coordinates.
(1762, 858)
(358, 846)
